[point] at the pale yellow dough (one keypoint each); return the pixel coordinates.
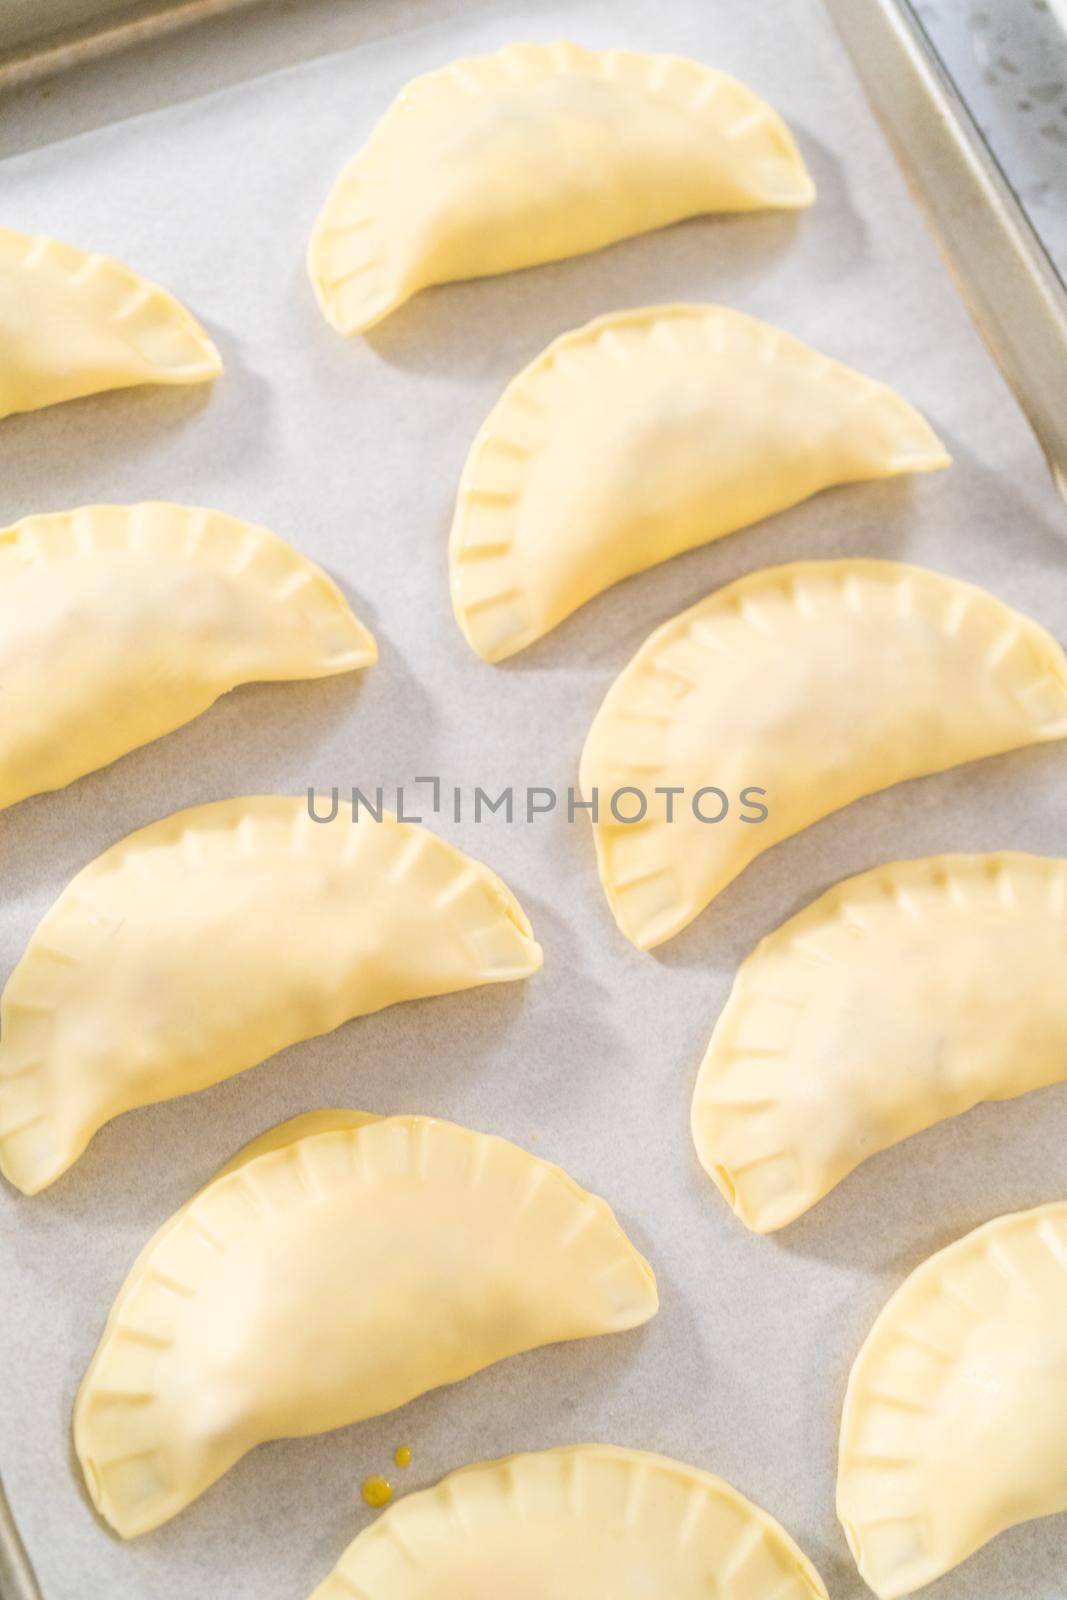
(955, 1419)
(588, 1522)
(120, 623)
(212, 939)
(817, 682)
(337, 1269)
(73, 324)
(901, 997)
(647, 433)
(539, 152)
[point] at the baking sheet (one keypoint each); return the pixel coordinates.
(353, 450)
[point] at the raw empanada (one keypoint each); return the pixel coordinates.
(330, 1276)
(591, 1520)
(798, 689)
(539, 152)
(901, 997)
(647, 433)
(72, 324)
(120, 623)
(207, 942)
(955, 1420)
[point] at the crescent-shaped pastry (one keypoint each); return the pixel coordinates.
(539, 152)
(900, 997)
(955, 1419)
(73, 324)
(209, 941)
(119, 624)
(647, 433)
(791, 693)
(591, 1519)
(330, 1276)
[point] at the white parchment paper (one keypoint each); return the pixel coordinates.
(353, 449)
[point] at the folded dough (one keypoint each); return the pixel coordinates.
(900, 997)
(590, 1520)
(212, 939)
(810, 684)
(73, 324)
(955, 1420)
(538, 152)
(120, 623)
(336, 1270)
(647, 433)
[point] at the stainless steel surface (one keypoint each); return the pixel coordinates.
(1008, 59)
(1004, 274)
(17, 1581)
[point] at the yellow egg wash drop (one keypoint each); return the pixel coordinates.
(403, 1455)
(376, 1491)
